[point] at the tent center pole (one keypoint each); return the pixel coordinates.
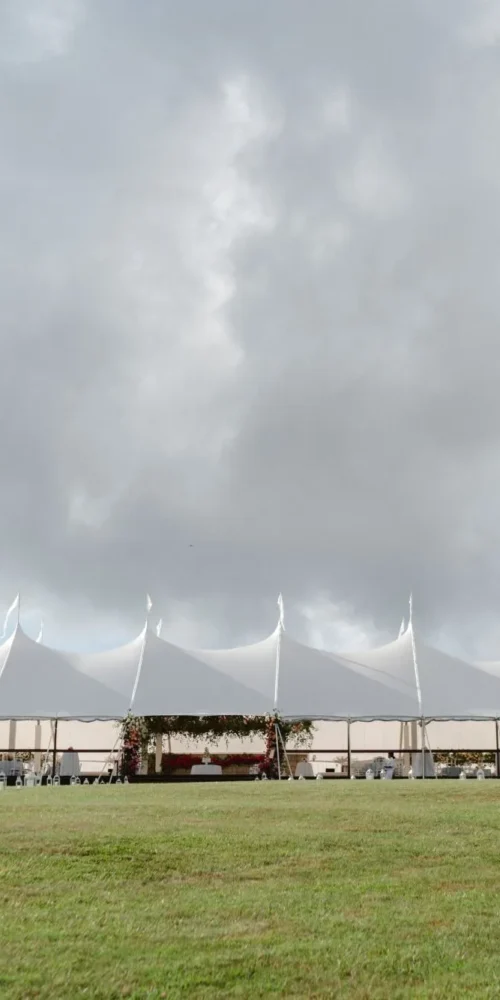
(158, 752)
(54, 750)
(285, 755)
(497, 743)
(405, 742)
(429, 750)
(38, 747)
(277, 744)
(422, 723)
(348, 748)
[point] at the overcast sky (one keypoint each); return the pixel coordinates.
(250, 317)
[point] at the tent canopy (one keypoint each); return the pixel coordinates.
(316, 684)
(444, 686)
(405, 679)
(39, 683)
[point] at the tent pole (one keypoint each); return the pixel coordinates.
(417, 685)
(277, 744)
(46, 752)
(109, 759)
(54, 750)
(407, 761)
(348, 748)
(285, 755)
(429, 748)
(37, 761)
(413, 742)
(158, 752)
(497, 740)
(277, 681)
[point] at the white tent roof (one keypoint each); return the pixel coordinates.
(184, 682)
(158, 678)
(40, 683)
(116, 668)
(489, 667)
(315, 684)
(152, 677)
(253, 666)
(449, 687)
(392, 665)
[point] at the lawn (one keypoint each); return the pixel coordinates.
(371, 890)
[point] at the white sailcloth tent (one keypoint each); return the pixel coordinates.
(159, 678)
(320, 685)
(489, 666)
(403, 680)
(41, 683)
(444, 687)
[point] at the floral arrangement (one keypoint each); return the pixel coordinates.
(460, 758)
(132, 742)
(210, 729)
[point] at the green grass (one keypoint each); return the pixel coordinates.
(353, 890)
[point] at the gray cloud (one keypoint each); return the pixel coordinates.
(249, 314)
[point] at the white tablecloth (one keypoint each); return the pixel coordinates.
(206, 769)
(11, 768)
(416, 764)
(70, 764)
(304, 770)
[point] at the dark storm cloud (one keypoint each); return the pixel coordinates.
(249, 310)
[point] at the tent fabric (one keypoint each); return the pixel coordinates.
(150, 676)
(316, 684)
(450, 688)
(40, 683)
(116, 668)
(489, 667)
(453, 688)
(391, 665)
(174, 681)
(253, 665)
(159, 678)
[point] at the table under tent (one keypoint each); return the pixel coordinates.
(406, 681)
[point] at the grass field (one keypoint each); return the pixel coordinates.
(352, 890)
